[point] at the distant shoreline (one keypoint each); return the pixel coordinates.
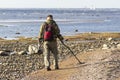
(53, 8)
(82, 36)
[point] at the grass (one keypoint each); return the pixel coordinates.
(89, 36)
(81, 36)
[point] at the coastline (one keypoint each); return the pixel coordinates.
(82, 36)
(18, 66)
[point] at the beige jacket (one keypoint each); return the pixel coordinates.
(56, 30)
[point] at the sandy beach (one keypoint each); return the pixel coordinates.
(100, 49)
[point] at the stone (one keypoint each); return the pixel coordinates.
(76, 30)
(33, 49)
(90, 49)
(22, 52)
(118, 46)
(17, 33)
(110, 39)
(12, 53)
(105, 46)
(90, 32)
(4, 53)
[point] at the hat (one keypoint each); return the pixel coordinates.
(50, 16)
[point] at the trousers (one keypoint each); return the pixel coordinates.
(50, 47)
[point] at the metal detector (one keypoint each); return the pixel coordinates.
(71, 52)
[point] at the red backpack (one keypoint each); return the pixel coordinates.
(48, 32)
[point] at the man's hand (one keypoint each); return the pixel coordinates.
(40, 40)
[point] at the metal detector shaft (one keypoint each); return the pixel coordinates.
(71, 51)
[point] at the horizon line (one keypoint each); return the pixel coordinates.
(59, 8)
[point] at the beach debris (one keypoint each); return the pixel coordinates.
(105, 46)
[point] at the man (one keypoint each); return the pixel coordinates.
(50, 45)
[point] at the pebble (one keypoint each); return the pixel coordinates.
(110, 39)
(17, 33)
(105, 46)
(17, 66)
(118, 46)
(22, 52)
(33, 49)
(4, 53)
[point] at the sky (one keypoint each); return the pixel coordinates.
(59, 3)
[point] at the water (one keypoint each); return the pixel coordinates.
(27, 21)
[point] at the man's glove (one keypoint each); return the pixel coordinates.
(40, 40)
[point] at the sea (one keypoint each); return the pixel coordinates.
(24, 22)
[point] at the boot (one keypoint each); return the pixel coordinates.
(56, 68)
(48, 69)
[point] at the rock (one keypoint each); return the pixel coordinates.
(40, 51)
(15, 67)
(118, 46)
(12, 53)
(110, 39)
(90, 32)
(33, 49)
(105, 46)
(4, 53)
(113, 46)
(5, 37)
(22, 52)
(90, 49)
(17, 33)
(76, 30)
